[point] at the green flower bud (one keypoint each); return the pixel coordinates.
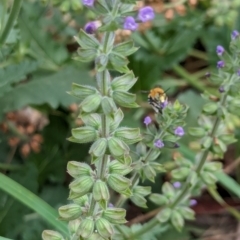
(177, 220)
(99, 147)
(104, 228)
(78, 169)
(128, 135)
(197, 132)
(149, 173)
(81, 91)
(82, 185)
(212, 166)
(81, 200)
(207, 142)
(139, 200)
(108, 105)
(92, 120)
(115, 215)
(69, 212)
(73, 225)
(85, 55)
(91, 103)
(117, 118)
(87, 41)
(100, 191)
(154, 154)
(96, 236)
(86, 228)
(116, 167)
(187, 213)
(180, 173)
(51, 235)
(168, 190)
(210, 108)
(84, 134)
(118, 182)
(117, 147)
(208, 178)
(164, 215)
(158, 199)
(125, 99)
(124, 82)
(142, 190)
(125, 49)
(158, 167)
(227, 138)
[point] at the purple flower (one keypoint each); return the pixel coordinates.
(110, 205)
(177, 184)
(220, 64)
(193, 202)
(221, 89)
(147, 120)
(91, 27)
(220, 50)
(234, 34)
(179, 131)
(238, 72)
(146, 14)
(130, 24)
(159, 144)
(88, 3)
(164, 104)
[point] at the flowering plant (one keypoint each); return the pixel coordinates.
(115, 167)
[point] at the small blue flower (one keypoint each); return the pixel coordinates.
(177, 184)
(221, 89)
(88, 3)
(179, 131)
(234, 34)
(220, 50)
(147, 120)
(91, 27)
(220, 64)
(164, 104)
(146, 14)
(193, 202)
(130, 24)
(159, 144)
(238, 72)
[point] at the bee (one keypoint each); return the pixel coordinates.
(158, 99)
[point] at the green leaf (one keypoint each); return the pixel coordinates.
(44, 90)
(86, 55)
(42, 44)
(14, 73)
(124, 82)
(125, 48)
(32, 201)
(228, 182)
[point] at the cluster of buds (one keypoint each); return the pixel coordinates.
(22, 129)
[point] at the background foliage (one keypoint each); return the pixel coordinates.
(36, 71)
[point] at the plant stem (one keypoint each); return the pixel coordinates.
(12, 17)
(212, 134)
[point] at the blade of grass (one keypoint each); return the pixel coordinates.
(32, 201)
(3, 238)
(220, 200)
(228, 183)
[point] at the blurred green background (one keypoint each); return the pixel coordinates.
(37, 114)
